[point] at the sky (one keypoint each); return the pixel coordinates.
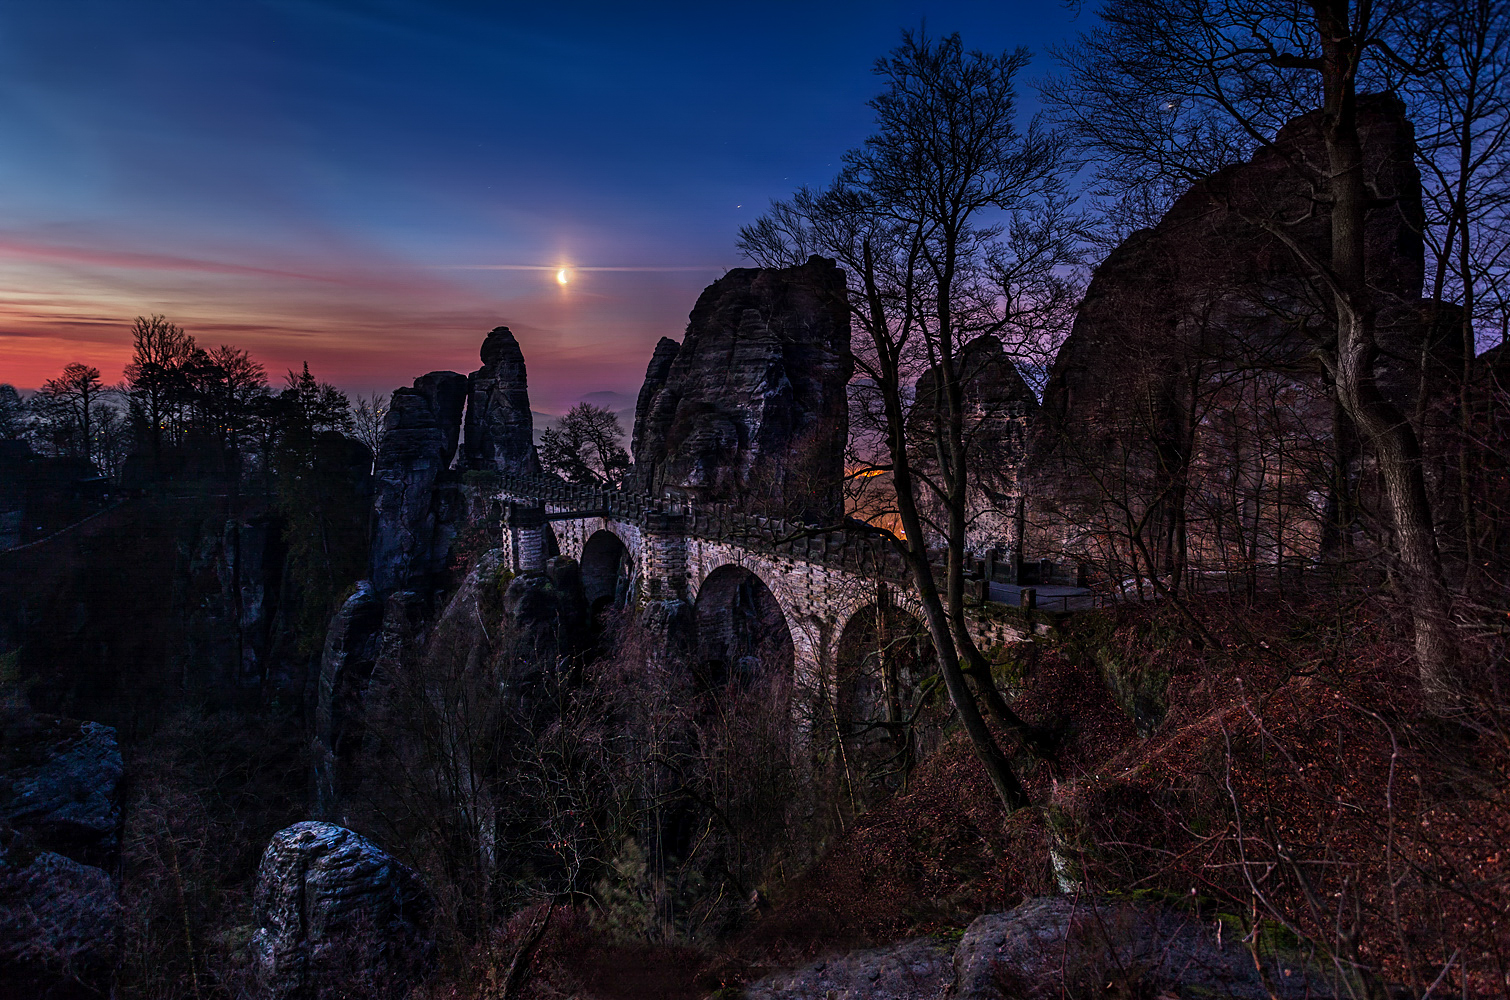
(372, 186)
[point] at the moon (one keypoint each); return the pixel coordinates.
(561, 276)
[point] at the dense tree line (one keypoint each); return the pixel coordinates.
(178, 397)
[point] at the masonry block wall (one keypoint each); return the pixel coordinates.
(817, 599)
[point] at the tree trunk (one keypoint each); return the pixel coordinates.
(1013, 796)
(1382, 425)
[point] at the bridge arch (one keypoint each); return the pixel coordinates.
(609, 572)
(743, 632)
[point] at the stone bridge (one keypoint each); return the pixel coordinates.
(634, 548)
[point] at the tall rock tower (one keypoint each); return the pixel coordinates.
(419, 475)
(500, 430)
(751, 407)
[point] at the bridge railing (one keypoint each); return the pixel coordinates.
(861, 553)
(854, 551)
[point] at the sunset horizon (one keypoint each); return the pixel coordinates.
(371, 189)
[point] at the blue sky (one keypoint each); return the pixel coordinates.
(367, 186)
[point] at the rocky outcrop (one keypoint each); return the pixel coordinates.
(463, 632)
(1209, 283)
(421, 501)
(500, 429)
(544, 621)
(351, 651)
(656, 374)
(1081, 946)
(752, 406)
(419, 441)
(60, 829)
(60, 788)
(401, 636)
(1178, 317)
(334, 910)
(59, 927)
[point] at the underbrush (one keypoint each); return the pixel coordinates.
(1272, 767)
(205, 794)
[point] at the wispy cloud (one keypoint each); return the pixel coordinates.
(32, 250)
(707, 268)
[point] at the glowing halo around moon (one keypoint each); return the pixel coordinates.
(562, 277)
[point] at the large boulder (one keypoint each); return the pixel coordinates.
(500, 428)
(1061, 945)
(60, 930)
(419, 440)
(60, 834)
(60, 787)
(752, 407)
(336, 915)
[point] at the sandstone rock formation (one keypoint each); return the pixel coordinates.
(59, 927)
(60, 828)
(351, 651)
(61, 787)
(545, 620)
(1180, 317)
(420, 498)
(499, 425)
(401, 636)
(463, 628)
(752, 406)
(333, 909)
(656, 374)
(419, 441)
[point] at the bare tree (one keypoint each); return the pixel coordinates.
(367, 414)
(72, 400)
(586, 447)
(160, 349)
(14, 421)
(230, 386)
(1461, 108)
(933, 220)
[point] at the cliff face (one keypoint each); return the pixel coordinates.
(751, 407)
(499, 425)
(1211, 299)
(419, 500)
(1209, 278)
(419, 440)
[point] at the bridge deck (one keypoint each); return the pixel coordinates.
(862, 553)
